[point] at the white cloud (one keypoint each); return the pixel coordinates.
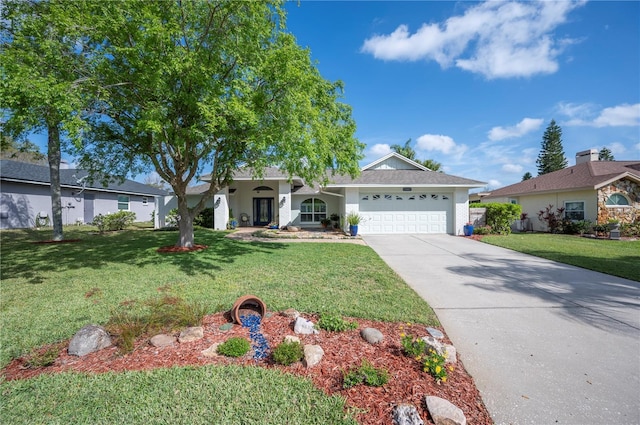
(495, 39)
(380, 149)
(624, 115)
(440, 143)
(494, 184)
(512, 168)
(525, 126)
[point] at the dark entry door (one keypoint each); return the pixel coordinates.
(262, 211)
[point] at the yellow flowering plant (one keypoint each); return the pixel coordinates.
(434, 364)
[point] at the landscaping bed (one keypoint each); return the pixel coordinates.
(343, 350)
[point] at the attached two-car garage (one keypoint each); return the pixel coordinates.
(406, 212)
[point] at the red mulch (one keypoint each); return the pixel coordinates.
(343, 350)
(56, 242)
(173, 248)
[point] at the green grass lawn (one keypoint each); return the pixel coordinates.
(49, 291)
(617, 258)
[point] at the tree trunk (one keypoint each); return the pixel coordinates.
(185, 223)
(53, 155)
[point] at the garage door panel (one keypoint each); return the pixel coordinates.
(402, 213)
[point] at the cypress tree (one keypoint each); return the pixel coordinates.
(551, 157)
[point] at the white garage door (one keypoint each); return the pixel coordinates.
(406, 212)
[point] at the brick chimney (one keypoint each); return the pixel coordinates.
(587, 156)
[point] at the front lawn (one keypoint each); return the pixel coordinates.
(49, 291)
(618, 258)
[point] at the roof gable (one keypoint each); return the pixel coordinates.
(394, 161)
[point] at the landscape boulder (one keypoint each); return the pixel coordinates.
(406, 414)
(304, 326)
(312, 355)
(162, 340)
(443, 412)
(89, 339)
(372, 335)
(191, 334)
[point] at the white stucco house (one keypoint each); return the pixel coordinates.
(25, 199)
(393, 194)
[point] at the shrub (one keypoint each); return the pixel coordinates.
(205, 218)
(334, 323)
(288, 353)
(500, 216)
(365, 374)
(172, 218)
(552, 218)
(576, 227)
(115, 221)
(630, 229)
(42, 357)
(413, 347)
(234, 347)
(482, 230)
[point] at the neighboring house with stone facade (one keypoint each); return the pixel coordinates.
(592, 190)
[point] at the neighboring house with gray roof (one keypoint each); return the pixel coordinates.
(590, 190)
(26, 196)
(393, 194)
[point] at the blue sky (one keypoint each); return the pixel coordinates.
(475, 84)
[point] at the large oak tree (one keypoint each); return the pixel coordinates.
(195, 87)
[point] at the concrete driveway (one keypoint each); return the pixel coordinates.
(547, 343)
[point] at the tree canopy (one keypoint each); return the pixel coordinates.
(43, 76)
(408, 152)
(605, 154)
(551, 157)
(195, 87)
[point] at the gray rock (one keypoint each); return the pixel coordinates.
(291, 338)
(291, 313)
(304, 326)
(406, 414)
(89, 339)
(444, 412)
(450, 354)
(226, 327)
(433, 344)
(435, 333)
(211, 351)
(191, 334)
(162, 340)
(312, 355)
(371, 335)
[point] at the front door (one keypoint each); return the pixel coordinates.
(262, 211)
(88, 207)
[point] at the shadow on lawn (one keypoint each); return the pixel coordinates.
(23, 257)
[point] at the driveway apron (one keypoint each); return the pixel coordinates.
(546, 343)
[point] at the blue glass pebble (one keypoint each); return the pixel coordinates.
(260, 345)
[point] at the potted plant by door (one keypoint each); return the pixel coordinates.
(325, 223)
(353, 219)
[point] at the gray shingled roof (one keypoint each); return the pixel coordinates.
(404, 177)
(587, 175)
(33, 173)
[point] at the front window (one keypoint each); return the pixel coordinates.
(617, 200)
(574, 210)
(313, 210)
(123, 203)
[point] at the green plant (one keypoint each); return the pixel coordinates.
(576, 227)
(353, 218)
(205, 218)
(434, 364)
(630, 229)
(335, 323)
(366, 374)
(132, 319)
(552, 218)
(172, 218)
(501, 215)
(42, 357)
(325, 222)
(115, 221)
(234, 347)
(482, 230)
(412, 346)
(288, 353)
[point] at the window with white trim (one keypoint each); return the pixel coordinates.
(617, 200)
(313, 210)
(123, 203)
(145, 200)
(574, 210)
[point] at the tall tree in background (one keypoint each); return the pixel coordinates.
(605, 155)
(41, 64)
(527, 176)
(551, 157)
(408, 152)
(24, 151)
(197, 87)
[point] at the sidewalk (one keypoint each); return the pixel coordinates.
(546, 343)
